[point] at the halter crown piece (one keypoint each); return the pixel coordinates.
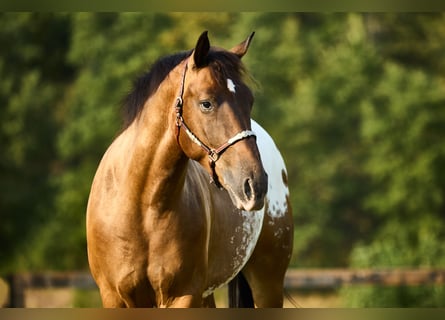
(213, 153)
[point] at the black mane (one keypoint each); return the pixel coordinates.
(222, 63)
(145, 85)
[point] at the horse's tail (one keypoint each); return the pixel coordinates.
(240, 294)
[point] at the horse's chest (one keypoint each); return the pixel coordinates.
(232, 243)
(245, 237)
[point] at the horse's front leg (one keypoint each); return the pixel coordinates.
(185, 301)
(178, 283)
(189, 301)
(172, 293)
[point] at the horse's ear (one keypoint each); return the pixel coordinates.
(201, 50)
(241, 49)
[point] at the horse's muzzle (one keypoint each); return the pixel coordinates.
(249, 193)
(254, 194)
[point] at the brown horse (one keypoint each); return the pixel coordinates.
(159, 234)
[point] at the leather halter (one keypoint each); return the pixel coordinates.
(213, 153)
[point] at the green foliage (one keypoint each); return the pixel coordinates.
(33, 75)
(355, 103)
(323, 119)
(411, 244)
(403, 125)
(394, 297)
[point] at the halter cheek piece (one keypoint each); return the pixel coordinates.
(213, 154)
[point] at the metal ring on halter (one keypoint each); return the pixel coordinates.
(179, 101)
(213, 155)
(178, 123)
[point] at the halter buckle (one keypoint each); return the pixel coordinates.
(178, 120)
(213, 155)
(179, 102)
(178, 108)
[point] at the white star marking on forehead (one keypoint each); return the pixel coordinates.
(231, 85)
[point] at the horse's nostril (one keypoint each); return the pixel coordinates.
(248, 189)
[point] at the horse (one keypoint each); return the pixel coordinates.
(159, 233)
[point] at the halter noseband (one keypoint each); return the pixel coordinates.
(213, 154)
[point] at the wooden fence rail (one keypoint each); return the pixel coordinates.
(335, 278)
(315, 279)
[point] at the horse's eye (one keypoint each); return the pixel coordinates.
(205, 106)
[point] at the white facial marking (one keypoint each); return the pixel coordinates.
(231, 85)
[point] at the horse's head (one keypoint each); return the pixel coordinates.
(213, 118)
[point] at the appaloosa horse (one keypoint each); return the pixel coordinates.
(159, 234)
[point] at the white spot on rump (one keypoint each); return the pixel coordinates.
(274, 166)
(231, 85)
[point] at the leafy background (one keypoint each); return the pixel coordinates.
(355, 102)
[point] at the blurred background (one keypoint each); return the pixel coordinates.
(355, 102)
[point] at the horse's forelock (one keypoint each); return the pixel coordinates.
(224, 65)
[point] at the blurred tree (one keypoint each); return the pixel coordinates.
(309, 100)
(33, 73)
(324, 123)
(404, 125)
(411, 39)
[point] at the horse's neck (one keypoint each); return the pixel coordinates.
(156, 167)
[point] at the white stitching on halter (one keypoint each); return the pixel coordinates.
(194, 138)
(242, 135)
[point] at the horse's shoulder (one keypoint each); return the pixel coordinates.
(196, 183)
